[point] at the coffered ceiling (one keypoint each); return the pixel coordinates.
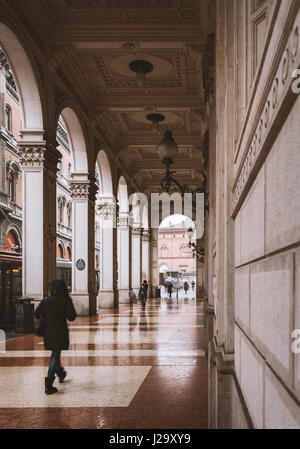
(91, 44)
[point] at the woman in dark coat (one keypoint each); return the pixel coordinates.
(55, 310)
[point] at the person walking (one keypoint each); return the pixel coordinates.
(186, 287)
(193, 285)
(54, 311)
(143, 294)
(170, 289)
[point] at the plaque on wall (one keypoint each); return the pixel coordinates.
(80, 264)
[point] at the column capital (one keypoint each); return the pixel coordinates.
(136, 232)
(123, 222)
(83, 190)
(146, 235)
(106, 209)
(39, 154)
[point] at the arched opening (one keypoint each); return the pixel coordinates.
(24, 123)
(12, 241)
(175, 258)
(73, 189)
(8, 118)
(68, 254)
(59, 251)
(106, 216)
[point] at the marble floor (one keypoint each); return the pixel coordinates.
(126, 370)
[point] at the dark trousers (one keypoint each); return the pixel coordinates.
(54, 364)
(143, 300)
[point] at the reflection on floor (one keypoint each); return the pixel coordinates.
(126, 369)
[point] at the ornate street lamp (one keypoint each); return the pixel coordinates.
(167, 151)
(197, 252)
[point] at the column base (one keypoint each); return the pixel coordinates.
(124, 296)
(85, 305)
(227, 407)
(106, 299)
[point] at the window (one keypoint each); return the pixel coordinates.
(61, 205)
(164, 251)
(59, 251)
(11, 187)
(69, 213)
(68, 253)
(12, 242)
(13, 170)
(8, 117)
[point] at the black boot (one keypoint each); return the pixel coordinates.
(49, 389)
(61, 374)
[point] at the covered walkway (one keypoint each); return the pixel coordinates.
(126, 370)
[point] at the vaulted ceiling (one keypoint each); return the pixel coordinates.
(91, 44)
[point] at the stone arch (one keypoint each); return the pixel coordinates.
(61, 245)
(105, 173)
(123, 195)
(77, 140)
(26, 83)
(16, 236)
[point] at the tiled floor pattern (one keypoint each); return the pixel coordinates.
(126, 370)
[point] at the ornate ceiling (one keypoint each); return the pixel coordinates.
(91, 44)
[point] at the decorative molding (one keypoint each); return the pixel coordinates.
(33, 154)
(277, 93)
(106, 210)
(122, 222)
(83, 190)
(146, 235)
(136, 232)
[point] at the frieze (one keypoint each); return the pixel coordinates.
(280, 87)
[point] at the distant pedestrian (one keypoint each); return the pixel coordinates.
(170, 289)
(143, 294)
(186, 286)
(193, 285)
(54, 311)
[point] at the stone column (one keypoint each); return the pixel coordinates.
(146, 241)
(123, 258)
(136, 257)
(83, 240)
(2, 126)
(106, 295)
(154, 260)
(39, 165)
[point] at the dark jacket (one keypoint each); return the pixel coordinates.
(55, 311)
(143, 292)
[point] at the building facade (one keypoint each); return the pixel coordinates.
(173, 253)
